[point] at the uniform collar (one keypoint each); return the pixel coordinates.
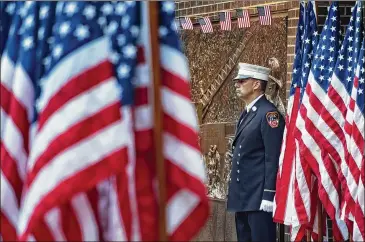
(249, 106)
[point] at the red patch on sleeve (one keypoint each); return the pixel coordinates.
(273, 119)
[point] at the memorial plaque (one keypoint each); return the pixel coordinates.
(213, 134)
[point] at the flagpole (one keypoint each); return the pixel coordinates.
(156, 75)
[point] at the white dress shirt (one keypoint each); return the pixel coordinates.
(250, 105)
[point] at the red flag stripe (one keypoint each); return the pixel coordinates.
(287, 158)
(8, 230)
(9, 170)
(70, 224)
(53, 129)
(12, 141)
(17, 112)
(79, 84)
(330, 194)
(87, 178)
(61, 143)
(16, 81)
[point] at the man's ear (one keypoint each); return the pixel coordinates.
(256, 85)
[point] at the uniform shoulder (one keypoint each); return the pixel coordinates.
(269, 110)
(268, 107)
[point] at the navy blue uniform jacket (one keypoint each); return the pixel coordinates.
(256, 151)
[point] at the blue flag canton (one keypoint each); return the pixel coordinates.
(348, 57)
(327, 49)
(297, 65)
(167, 30)
(7, 10)
(261, 11)
(75, 24)
(222, 17)
(202, 21)
(310, 43)
(360, 95)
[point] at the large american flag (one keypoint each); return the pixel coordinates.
(284, 198)
(77, 132)
(357, 145)
(337, 116)
(225, 20)
(264, 15)
(319, 78)
(243, 18)
(294, 201)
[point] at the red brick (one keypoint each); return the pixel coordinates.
(292, 31)
(293, 22)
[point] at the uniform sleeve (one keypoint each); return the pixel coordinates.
(272, 128)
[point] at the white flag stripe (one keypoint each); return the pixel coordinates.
(89, 55)
(171, 100)
(179, 153)
(333, 141)
(171, 58)
(303, 186)
(329, 187)
(108, 140)
(143, 120)
(53, 220)
(53, 128)
(12, 140)
(9, 202)
(179, 207)
(116, 229)
(16, 80)
(86, 218)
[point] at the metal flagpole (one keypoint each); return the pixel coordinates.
(156, 75)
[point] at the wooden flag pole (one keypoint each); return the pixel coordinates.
(160, 164)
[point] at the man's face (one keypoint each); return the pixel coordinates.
(246, 87)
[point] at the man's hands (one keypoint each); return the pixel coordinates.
(266, 206)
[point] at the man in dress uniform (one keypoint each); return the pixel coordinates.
(256, 149)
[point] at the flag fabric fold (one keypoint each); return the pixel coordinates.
(76, 133)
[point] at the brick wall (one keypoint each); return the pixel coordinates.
(211, 8)
(322, 11)
(195, 9)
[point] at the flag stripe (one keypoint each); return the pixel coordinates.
(52, 128)
(56, 148)
(8, 231)
(91, 54)
(16, 81)
(86, 227)
(12, 142)
(16, 111)
(9, 170)
(99, 167)
(76, 86)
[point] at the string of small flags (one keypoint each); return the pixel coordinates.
(225, 20)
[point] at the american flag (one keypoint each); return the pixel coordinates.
(284, 198)
(225, 20)
(357, 146)
(206, 25)
(264, 15)
(305, 185)
(186, 23)
(295, 205)
(243, 18)
(321, 71)
(88, 165)
(337, 116)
